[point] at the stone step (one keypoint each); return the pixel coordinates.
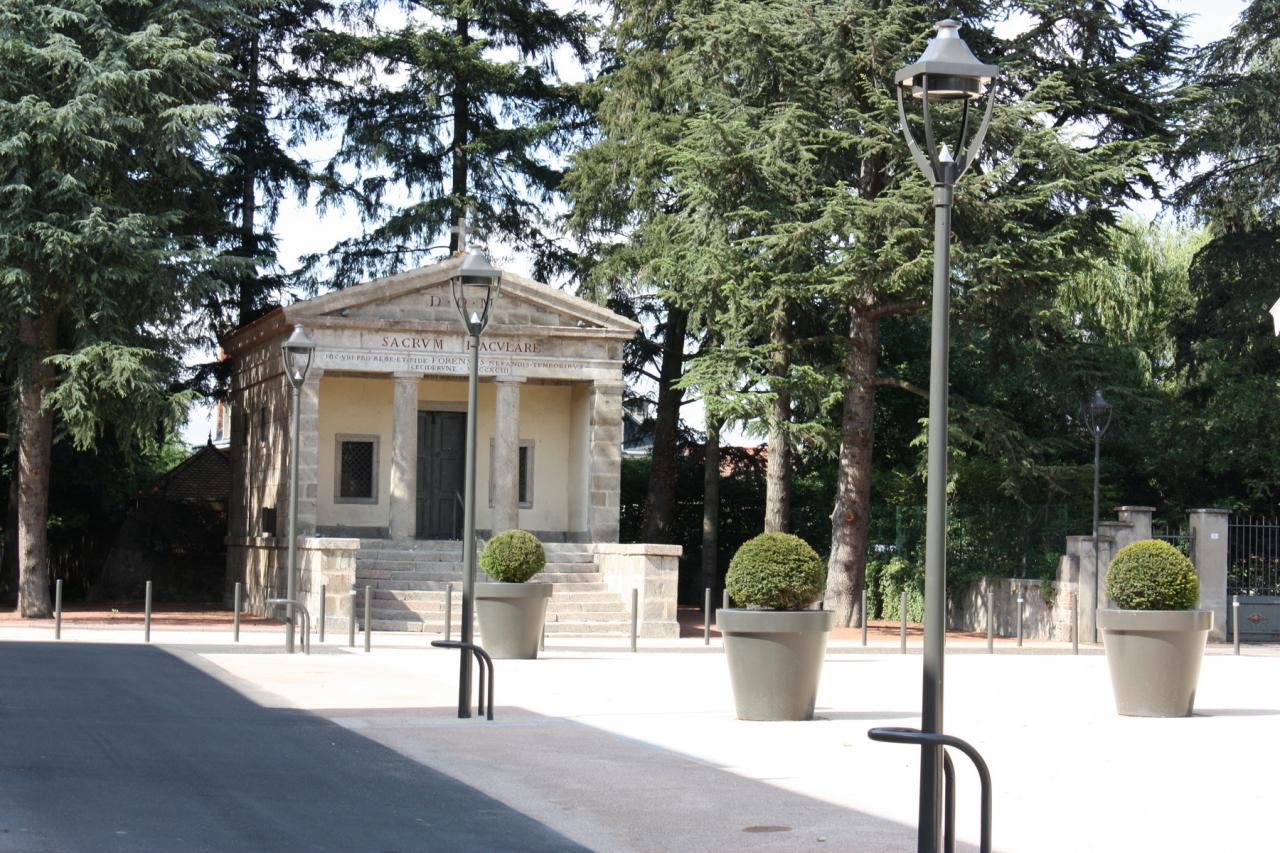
(563, 594)
(407, 557)
(416, 623)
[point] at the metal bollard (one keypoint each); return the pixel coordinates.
(865, 617)
(57, 612)
(146, 623)
(706, 618)
(542, 640)
(724, 601)
(235, 617)
(324, 593)
(1075, 621)
(991, 622)
(351, 621)
(448, 614)
(903, 613)
(368, 625)
(1019, 617)
(635, 613)
(1235, 621)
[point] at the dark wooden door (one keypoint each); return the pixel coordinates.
(441, 451)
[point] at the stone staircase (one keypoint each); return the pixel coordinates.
(408, 581)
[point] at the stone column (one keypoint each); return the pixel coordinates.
(1209, 553)
(404, 444)
(605, 463)
(308, 451)
(506, 455)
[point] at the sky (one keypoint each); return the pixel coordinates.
(302, 230)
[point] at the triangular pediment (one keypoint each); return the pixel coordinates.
(424, 296)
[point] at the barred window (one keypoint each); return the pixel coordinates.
(524, 465)
(357, 469)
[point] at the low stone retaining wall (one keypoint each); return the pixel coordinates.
(967, 609)
(322, 560)
(654, 570)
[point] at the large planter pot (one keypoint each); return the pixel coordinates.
(511, 617)
(775, 660)
(1155, 657)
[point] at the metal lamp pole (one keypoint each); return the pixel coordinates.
(947, 71)
(1097, 417)
(297, 351)
(475, 285)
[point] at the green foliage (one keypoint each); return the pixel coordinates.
(775, 571)
(445, 107)
(897, 575)
(1152, 575)
(513, 556)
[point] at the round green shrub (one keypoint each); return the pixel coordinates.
(776, 571)
(1152, 575)
(513, 556)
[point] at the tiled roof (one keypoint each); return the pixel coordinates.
(204, 476)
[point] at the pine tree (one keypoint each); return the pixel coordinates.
(275, 102)
(105, 109)
(751, 158)
(442, 125)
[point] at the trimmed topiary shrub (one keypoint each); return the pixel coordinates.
(1152, 575)
(776, 571)
(513, 556)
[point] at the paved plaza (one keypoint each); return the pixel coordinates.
(195, 743)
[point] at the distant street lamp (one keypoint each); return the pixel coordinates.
(1097, 417)
(946, 72)
(475, 284)
(298, 350)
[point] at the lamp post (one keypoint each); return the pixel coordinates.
(475, 284)
(298, 350)
(1097, 417)
(946, 72)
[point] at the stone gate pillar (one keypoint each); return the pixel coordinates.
(1209, 553)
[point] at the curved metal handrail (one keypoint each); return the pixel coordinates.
(896, 734)
(306, 619)
(485, 661)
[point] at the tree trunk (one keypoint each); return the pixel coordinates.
(247, 296)
(850, 520)
(711, 507)
(35, 449)
(660, 501)
(9, 565)
(461, 130)
(777, 496)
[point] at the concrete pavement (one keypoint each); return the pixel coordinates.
(613, 751)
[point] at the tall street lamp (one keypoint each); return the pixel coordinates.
(946, 72)
(475, 284)
(1097, 417)
(298, 350)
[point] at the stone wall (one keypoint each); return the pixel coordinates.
(654, 570)
(967, 610)
(321, 561)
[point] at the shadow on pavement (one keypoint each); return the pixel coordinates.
(128, 748)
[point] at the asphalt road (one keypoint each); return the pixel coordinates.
(108, 748)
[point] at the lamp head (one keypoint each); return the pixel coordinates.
(298, 350)
(1097, 414)
(947, 70)
(475, 283)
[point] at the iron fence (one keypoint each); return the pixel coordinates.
(1253, 555)
(1183, 539)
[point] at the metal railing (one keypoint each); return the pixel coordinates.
(894, 734)
(1253, 555)
(306, 619)
(485, 661)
